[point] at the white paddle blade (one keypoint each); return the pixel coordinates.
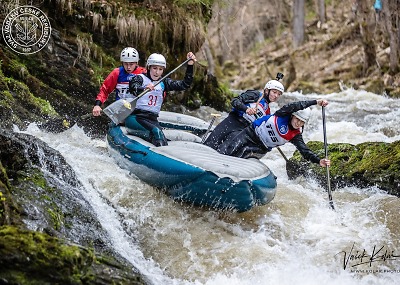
(120, 110)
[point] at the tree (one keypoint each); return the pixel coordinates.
(366, 24)
(298, 22)
(391, 11)
(321, 11)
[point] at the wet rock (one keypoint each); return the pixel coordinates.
(29, 257)
(364, 165)
(48, 231)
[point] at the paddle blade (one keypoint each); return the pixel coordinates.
(120, 110)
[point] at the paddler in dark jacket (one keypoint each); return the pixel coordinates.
(270, 131)
(246, 108)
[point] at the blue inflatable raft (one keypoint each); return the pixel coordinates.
(191, 172)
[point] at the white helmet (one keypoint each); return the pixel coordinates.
(129, 54)
(274, 84)
(303, 115)
(156, 59)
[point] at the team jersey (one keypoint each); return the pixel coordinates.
(250, 99)
(262, 110)
(152, 100)
(274, 131)
(118, 80)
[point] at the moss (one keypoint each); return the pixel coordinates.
(370, 163)
(57, 218)
(37, 178)
(102, 66)
(17, 69)
(55, 214)
(37, 258)
(20, 92)
(6, 99)
(44, 105)
(2, 201)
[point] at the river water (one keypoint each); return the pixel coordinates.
(295, 239)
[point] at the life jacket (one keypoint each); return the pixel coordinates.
(118, 80)
(262, 110)
(152, 100)
(258, 101)
(274, 131)
(122, 87)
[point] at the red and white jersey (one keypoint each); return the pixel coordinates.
(118, 80)
(274, 131)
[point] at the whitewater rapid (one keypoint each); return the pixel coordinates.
(295, 239)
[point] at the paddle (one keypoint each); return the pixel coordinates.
(122, 108)
(283, 155)
(210, 126)
(326, 156)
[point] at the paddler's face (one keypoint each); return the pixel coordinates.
(273, 94)
(129, 66)
(156, 72)
(296, 123)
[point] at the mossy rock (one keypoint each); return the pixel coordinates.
(364, 165)
(29, 257)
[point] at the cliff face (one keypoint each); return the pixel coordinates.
(62, 80)
(49, 233)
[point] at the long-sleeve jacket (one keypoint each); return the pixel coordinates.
(152, 100)
(275, 130)
(136, 84)
(117, 80)
(250, 99)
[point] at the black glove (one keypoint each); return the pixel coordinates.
(135, 85)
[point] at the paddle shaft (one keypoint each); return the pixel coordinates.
(209, 127)
(283, 155)
(164, 77)
(121, 109)
(326, 156)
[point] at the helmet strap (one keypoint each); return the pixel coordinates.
(266, 96)
(148, 72)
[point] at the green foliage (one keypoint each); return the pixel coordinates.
(2, 200)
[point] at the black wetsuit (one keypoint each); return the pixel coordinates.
(248, 143)
(235, 122)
